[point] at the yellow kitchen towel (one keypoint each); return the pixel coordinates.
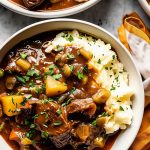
(135, 36)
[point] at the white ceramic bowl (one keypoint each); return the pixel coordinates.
(145, 6)
(49, 14)
(126, 138)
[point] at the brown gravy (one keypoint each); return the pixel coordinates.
(46, 6)
(32, 47)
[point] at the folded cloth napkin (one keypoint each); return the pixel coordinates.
(135, 36)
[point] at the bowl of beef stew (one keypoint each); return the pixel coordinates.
(68, 84)
(48, 8)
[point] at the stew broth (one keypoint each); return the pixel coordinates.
(30, 120)
(47, 6)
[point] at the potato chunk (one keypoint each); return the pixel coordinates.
(24, 64)
(83, 131)
(86, 54)
(54, 87)
(67, 70)
(12, 104)
(100, 121)
(99, 142)
(101, 96)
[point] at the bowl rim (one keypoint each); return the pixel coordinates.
(144, 4)
(115, 39)
(49, 14)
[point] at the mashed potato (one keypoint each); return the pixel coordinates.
(111, 76)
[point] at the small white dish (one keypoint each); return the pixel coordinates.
(48, 14)
(145, 6)
(125, 139)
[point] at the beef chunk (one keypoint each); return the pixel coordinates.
(82, 105)
(12, 67)
(52, 118)
(62, 139)
(32, 3)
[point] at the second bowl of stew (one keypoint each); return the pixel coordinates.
(48, 8)
(70, 85)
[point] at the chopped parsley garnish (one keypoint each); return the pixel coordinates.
(51, 67)
(80, 75)
(104, 114)
(21, 79)
(30, 134)
(23, 55)
(57, 123)
(32, 126)
(34, 142)
(94, 123)
(37, 90)
(26, 122)
(118, 101)
(72, 90)
(117, 79)
(35, 116)
(43, 87)
(121, 108)
(32, 72)
(13, 101)
(99, 61)
(44, 134)
(85, 69)
(29, 96)
(57, 76)
(70, 56)
(59, 111)
(46, 116)
(51, 70)
(106, 68)
(112, 88)
(26, 78)
(70, 38)
(67, 102)
(113, 57)
(13, 111)
(59, 48)
(46, 101)
(31, 84)
(23, 102)
(71, 67)
(2, 126)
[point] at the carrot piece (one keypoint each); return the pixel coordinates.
(24, 64)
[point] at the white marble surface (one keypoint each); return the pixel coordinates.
(107, 13)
